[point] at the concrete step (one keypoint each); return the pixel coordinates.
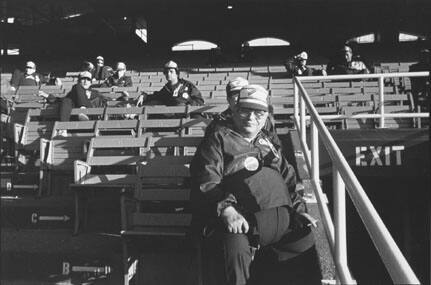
(57, 257)
(57, 212)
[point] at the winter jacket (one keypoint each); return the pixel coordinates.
(182, 93)
(224, 158)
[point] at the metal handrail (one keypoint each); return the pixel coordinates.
(363, 76)
(396, 264)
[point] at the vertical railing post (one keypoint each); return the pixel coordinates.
(302, 120)
(315, 153)
(382, 101)
(295, 100)
(340, 223)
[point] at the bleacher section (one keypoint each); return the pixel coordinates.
(142, 153)
(32, 131)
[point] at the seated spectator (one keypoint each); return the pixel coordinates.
(119, 78)
(345, 63)
(6, 127)
(102, 71)
(243, 192)
(297, 66)
(233, 89)
(177, 91)
(51, 79)
(421, 85)
(28, 78)
(80, 96)
(87, 66)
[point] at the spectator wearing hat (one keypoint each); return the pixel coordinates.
(421, 85)
(87, 66)
(101, 71)
(243, 192)
(233, 89)
(81, 96)
(297, 66)
(27, 78)
(119, 78)
(346, 63)
(177, 91)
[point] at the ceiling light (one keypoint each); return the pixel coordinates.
(72, 16)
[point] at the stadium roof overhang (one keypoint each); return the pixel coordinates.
(29, 12)
(304, 22)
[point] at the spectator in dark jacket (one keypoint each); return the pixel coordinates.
(119, 78)
(101, 71)
(28, 78)
(297, 66)
(346, 63)
(87, 66)
(243, 192)
(421, 85)
(80, 96)
(177, 91)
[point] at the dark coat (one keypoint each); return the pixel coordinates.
(224, 154)
(124, 81)
(182, 93)
(102, 72)
(19, 78)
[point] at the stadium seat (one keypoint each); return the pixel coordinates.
(158, 209)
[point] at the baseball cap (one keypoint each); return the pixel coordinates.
(30, 64)
(253, 97)
(236, 84)
(170, 64)
(100, 58)
(346, 49)
(121, 66)
(85, 74)
(302, 55)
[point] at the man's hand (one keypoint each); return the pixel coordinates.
(58, 81)
(234, 221)
(140, 100)
(42, 94)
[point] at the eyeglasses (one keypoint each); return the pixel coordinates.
(245, 113)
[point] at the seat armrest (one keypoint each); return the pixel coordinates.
(19, 131)
(45, 152)
(81, 169)
(412, 103)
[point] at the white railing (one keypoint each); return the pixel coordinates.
(396, 264)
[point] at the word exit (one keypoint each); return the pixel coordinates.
(379, 155)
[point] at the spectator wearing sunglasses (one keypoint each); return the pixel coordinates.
(27, 78)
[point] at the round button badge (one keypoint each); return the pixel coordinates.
(251, 163)
(185, 95)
